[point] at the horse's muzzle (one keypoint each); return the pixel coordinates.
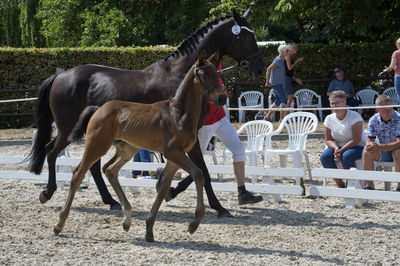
(220, 100)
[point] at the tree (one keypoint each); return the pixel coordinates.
(341, 20)
(322, 21)
(30, 25)
(61, 22)
(103, 25)
(10, 29)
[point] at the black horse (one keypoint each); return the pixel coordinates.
(63, 97)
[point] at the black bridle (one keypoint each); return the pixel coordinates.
(245, 61)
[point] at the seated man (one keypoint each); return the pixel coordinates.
(384, 126)
(342, 84)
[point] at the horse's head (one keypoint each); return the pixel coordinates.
(243, 45)
(207, 77)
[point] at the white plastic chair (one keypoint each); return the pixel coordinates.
(308, 98)
(392, 93)
(251, 100)
(366, 98)
(298, 125)
(256, 132)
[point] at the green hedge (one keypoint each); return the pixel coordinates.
(27, 68)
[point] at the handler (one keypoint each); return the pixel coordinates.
(217, 123)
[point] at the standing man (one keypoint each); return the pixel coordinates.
(217, 123)
(384, 126)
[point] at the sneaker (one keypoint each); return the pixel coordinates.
(249, 198)
(369, 188)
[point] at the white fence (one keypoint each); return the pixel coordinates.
(354, 193)
(268, 188)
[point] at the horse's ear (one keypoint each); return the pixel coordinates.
(202, 58)
(247, 14)
(214, 58)
(236, 15)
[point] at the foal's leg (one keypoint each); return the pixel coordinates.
(180, 159)
(197, 157)
(166, 178)
(93, 151)
(111, 169)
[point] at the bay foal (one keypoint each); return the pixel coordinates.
(168, 126)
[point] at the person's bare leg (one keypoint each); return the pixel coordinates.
(270, 112)
(244, 196)
(368, 164)
(339, 183)
(238, 169)
(396, 160)
(282, 114)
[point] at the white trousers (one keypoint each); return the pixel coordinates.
(224, 130)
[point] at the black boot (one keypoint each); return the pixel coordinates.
(248, 198)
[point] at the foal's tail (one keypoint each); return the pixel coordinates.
(44, 119)
(81, 126)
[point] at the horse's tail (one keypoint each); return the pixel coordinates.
(44, 119)
(81, 126)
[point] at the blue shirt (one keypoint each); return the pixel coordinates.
(386, 132)
(278, 74)
(341, 85)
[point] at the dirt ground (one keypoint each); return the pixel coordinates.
(299, 231)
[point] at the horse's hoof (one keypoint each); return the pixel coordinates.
(115, 207)
(224, 214)
(57, 230)
(193, 227)
(170, 195)
(149, 238)
(42, 197)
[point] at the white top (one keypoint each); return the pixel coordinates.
(341, 129)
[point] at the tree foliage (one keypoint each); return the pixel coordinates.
(323, 21)
(72, 23)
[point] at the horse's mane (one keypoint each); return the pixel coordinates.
(191, 42)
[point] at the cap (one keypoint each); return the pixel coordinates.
(337, 70)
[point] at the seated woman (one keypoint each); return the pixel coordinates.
(344, 136)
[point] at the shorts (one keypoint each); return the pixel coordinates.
(289, 89)
(280, 94)
(386, 156)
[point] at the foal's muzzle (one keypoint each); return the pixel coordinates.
(220, 100)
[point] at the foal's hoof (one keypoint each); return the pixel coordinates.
(224, 213)
(193, 227)
(57, 230)
(115, 207)
(42, 197)
(126, 227)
